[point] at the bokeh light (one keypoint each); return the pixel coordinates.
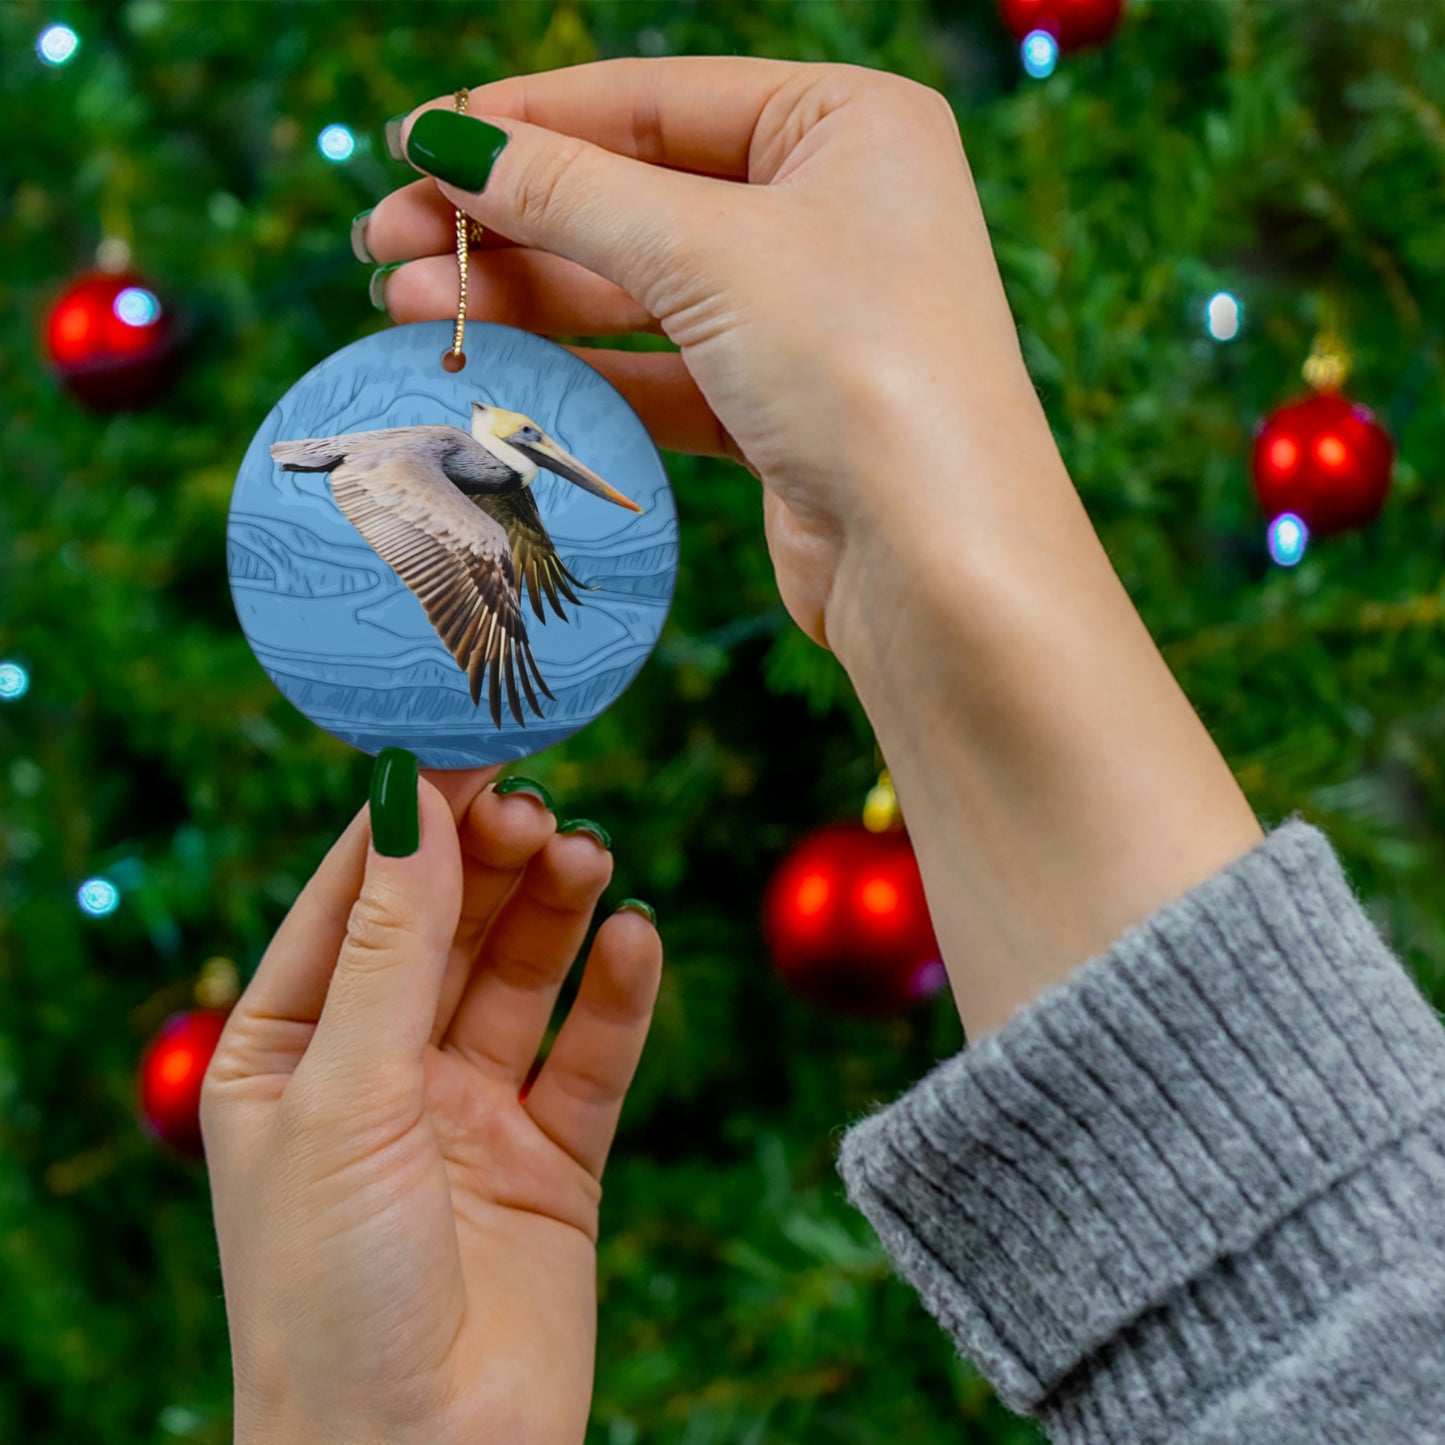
(336, 143)
(1040, 52)
(57, 44)
(98, 897)
(14, 681)
(812, 896)
(137, 307)
(1288, 537)
(1223, 316)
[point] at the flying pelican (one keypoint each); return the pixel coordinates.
(453, 515)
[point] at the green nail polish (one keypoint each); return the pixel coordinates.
(392, 132)
(586, 825)
(359, 248)
(395, 824)
(376, 287)
(636, 905)
(455, 148)
(525, 785)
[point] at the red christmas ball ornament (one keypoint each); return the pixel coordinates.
(171, 1071)
(1326, 459)
(1073, 23)
(111, 340)
(847, 923)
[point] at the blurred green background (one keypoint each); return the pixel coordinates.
(1284, 152)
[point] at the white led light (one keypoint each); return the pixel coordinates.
(98, 897)
(1288, 537)
(1223, 316)
(14, 681)
(336, 143)
(57, 44)
(137, 307)
(1040, 52)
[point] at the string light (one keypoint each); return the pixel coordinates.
(14, 681)
(1040, 52)
(57, 44)
(336, 143)
(1288, 537)
(137, 307)
(1223, 316)
(98, 897)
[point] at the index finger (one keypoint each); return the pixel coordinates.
(687, 112)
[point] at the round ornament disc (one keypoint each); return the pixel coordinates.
(469, 565)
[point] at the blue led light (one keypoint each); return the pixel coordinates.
(1288, 537)
(57, 44)
(1040, 52)
(14, 681)
(98, 897)
(336, 143)
(1223, 316)
(137, 307)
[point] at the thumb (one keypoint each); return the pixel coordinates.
(619, 217)
(382, 999)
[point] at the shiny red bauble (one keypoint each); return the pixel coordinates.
(1073, 23)
(1326, 459)
(111, 340)
(847, 924)
(171, 1071)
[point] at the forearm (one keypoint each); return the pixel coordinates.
(1057, 784)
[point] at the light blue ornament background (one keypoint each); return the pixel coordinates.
(339, 632)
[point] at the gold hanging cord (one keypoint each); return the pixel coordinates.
(468, 231)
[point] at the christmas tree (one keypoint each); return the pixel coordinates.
(1211, 157)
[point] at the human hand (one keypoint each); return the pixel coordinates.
(408, 1247)
(841, 322)
(810, 237)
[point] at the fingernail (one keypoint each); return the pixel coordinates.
(525, 785)
(393, 136)
(586, 825)
(376, 287)
(636, 905)
(359, 248)
(395, 821)
(455, 148)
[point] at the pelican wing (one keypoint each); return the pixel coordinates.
(534, 556)
(455, 559)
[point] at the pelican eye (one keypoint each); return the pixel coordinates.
(528, 435)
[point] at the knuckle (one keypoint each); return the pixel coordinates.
(542, 187)
(911, 102)
(374, 933)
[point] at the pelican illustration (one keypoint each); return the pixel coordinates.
(453, 516)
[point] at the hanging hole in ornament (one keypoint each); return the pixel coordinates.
(453, 361)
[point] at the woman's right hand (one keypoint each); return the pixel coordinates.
(830, 313)
(810, 237)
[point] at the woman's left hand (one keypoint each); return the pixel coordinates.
(407, 1244)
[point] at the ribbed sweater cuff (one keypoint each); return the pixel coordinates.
(1128, 1141)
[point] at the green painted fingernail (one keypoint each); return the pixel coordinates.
(636, 905)
(395, 820)
(525, 785)
(393, 136)
(376, 288)
(586, 825)
(455, 148)
(359, 248)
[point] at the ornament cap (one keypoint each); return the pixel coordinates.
(218, 985)
(880, 808)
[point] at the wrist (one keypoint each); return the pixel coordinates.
(1057, 784)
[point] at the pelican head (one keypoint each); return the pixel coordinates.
(524, 446)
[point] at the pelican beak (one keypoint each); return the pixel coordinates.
(546, 453)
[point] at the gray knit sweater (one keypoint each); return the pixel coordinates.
(1196, 1192)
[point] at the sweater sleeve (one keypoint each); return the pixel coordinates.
(1196, 1192)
